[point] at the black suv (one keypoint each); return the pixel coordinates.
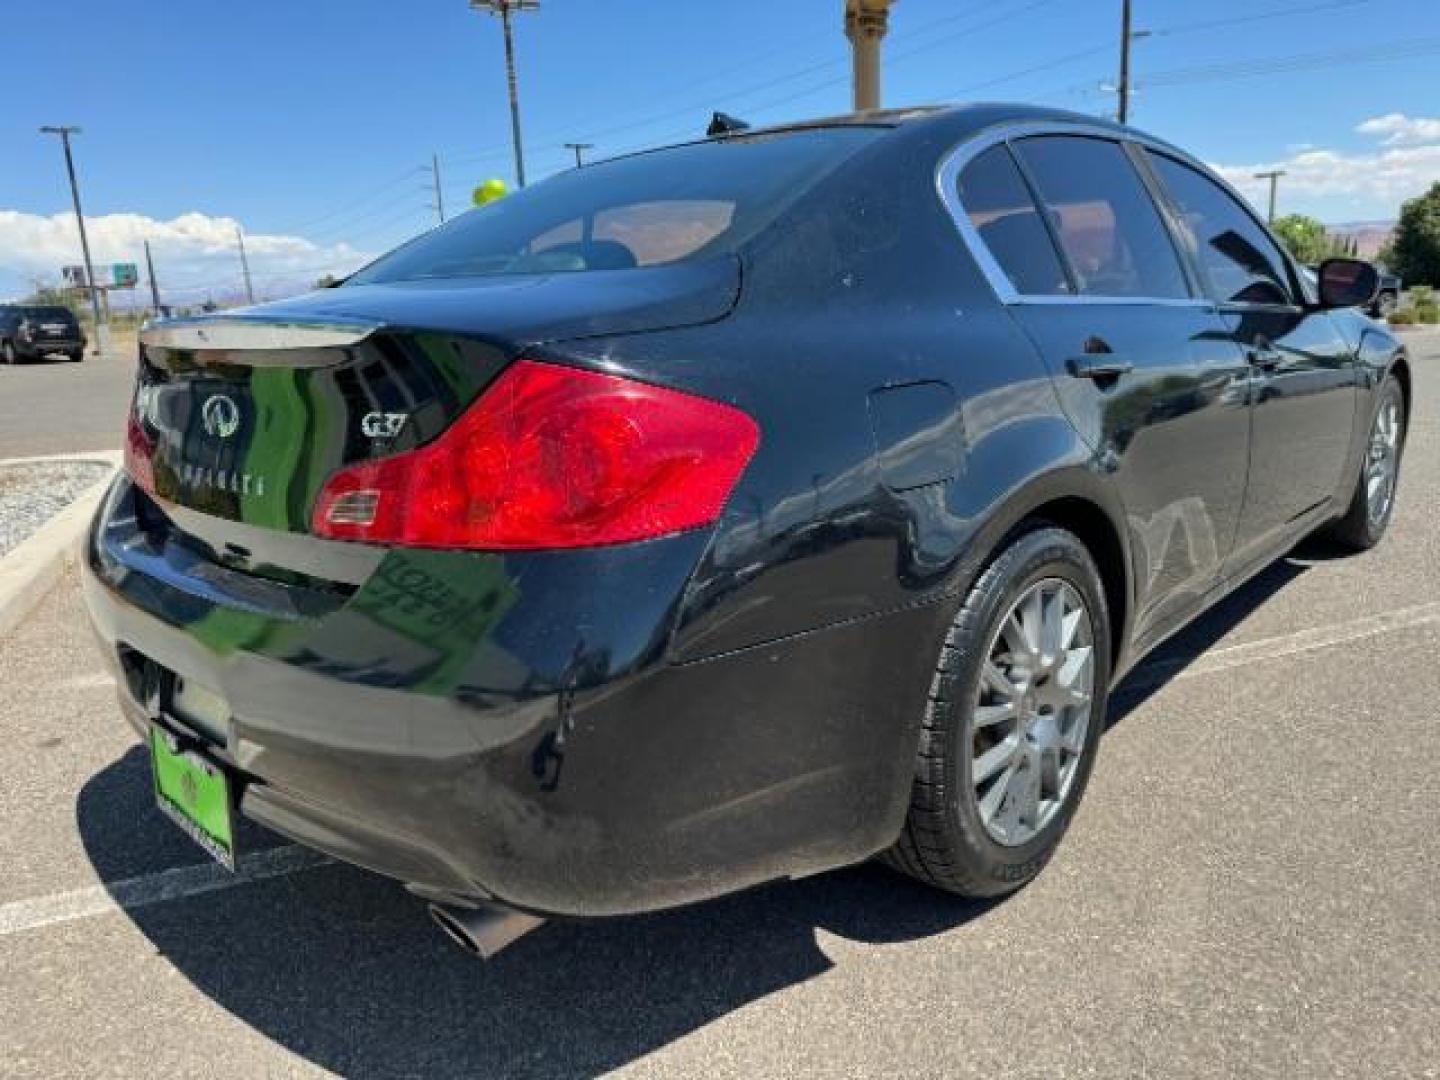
(30, 332)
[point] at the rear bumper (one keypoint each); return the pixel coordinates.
(646, 785)
(38, 347)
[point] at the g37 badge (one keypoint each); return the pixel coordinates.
(383, 425)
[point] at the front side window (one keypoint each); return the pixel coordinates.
(1108, 226)
(1241, 261)
(1004, 215)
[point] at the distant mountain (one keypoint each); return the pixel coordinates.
(1370, 236)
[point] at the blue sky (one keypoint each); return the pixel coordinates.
(308, 121)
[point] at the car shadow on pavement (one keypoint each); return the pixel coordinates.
(345, 969)
(1172, 658)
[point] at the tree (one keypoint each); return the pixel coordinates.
(49, 296)
(1305, 237)
(1414, 250)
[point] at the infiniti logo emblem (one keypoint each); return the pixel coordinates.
(220, 416)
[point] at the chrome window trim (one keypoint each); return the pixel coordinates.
(947, 174)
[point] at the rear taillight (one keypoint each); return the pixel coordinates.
(550, 457)
(139, 454)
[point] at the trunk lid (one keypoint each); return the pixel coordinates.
(242, 417)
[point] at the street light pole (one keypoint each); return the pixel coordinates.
(504, 8)
(65, 132)
(1273, 176)
(579, 148)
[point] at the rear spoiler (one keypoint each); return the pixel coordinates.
(208, 332)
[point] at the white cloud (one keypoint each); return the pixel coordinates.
(1402, 130)
(195, 253)
(1387, 176)
(1405, 164)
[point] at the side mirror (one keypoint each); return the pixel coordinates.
(1347, 283)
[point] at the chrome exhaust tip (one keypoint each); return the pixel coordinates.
(483, 930)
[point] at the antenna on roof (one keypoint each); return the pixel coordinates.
(724, 124)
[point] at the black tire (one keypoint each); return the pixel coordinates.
(76, 355)
(945, 842)
(7, 353)
(1358, 529)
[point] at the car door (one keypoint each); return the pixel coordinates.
(1303, 390)
(1139, 358)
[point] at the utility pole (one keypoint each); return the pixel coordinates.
(504, 8)
(439, 198)
(154, 285)
(1273, 176)
(101, 329)
(579, 148)
(1124, 85)
(245, 263)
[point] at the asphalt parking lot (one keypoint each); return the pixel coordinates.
(1250, 889)
(56, 407)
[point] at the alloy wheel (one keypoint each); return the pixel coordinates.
(1382, 461)
(1032, 711)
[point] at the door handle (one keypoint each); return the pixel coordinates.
(1264, 357)
(1098, 366)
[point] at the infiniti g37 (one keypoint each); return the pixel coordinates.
(727, 512)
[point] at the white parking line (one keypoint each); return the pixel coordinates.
(92, 681)
(175, 884)
(186, 881)
(1154, 672)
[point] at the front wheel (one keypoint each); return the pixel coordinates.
(76, 355)
(1012, 725)
(1372, 503)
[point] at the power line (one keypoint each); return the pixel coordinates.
(345, 207)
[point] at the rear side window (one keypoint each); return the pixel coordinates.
(999, 206)
(50, 314)
(1241, 261)
(664, 206)
(1108, 226)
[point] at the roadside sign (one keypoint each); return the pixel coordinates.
(124, 275)
(73, 276)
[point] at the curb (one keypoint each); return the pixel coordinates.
(32, 568)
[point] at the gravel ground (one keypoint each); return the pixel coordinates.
(31, 494)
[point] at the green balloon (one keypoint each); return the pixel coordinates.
(490, 190)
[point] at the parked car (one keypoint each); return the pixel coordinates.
(727, 512)
(35, 331)
(1387, 294)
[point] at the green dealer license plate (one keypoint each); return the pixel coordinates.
(195, 794)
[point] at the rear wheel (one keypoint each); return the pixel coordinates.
(1013, 722)
(76, 355)
(1373, 501)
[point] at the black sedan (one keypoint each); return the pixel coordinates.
(727, 512)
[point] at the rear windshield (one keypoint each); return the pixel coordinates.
(665, 206)
(47, 314)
